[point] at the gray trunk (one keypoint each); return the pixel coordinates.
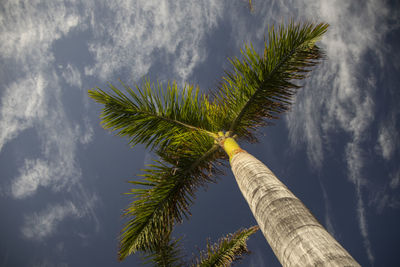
(293, 233)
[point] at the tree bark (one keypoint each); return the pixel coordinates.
(294, 234)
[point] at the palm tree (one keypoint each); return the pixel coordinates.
(193, 134)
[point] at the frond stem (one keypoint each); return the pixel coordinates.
(211, 134)
(251, 99)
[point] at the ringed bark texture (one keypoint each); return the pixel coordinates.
(294, 234)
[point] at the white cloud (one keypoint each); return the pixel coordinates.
(26, 38)
(22, 103)
(28, 32)
(33, 174)
(86, 201)
(34, 100)
(355, 161)
(57, 167)
(29, 29)
(137, 31)
(386, 198)
(386, 140)
(328, 218)
(333, 99)
(395, 179)
(57, 170)
(72, 76)
(388, 137)
(311, 130)
(42, 224)
(86, 135)
(361, 215)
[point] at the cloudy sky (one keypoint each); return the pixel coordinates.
(63, 176)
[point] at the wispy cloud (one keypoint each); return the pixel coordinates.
(86, 132)
(33, 174)
(355, 164)
(387, 142)
(72, 76)
(388, 137)
(362, 219)
(22, 103)
(395, 179)
(42, 224)
(141, 32)
(32, 98)
(57, 168)
(387, 197)
(39, 225)
(328, 220)
(27, 35)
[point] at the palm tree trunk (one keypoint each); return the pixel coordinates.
(294, 234)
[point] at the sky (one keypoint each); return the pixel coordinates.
(62, 176)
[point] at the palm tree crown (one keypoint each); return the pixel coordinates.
(181, 126)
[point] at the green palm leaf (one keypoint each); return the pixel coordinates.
(168, 253)
(227, 250)
(166, 192)
(156, 117)
(260, 87)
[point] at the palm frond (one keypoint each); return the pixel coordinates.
(227, 250)
(166, 254)
(167, 191)
(260, 87)
(156, 117)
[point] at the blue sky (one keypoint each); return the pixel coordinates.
(63, 176)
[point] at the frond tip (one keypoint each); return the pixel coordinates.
(227, 250)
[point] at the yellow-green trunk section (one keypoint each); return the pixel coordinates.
(231, 147)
